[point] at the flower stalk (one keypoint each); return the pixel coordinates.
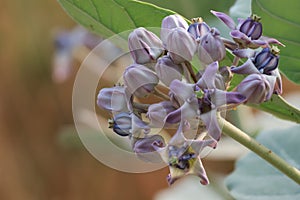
(265, 153)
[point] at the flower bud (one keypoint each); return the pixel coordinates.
(257, 88)
(251, 27)
(167, 70)
(144, 46)
(121, 124)
(211, 47)
(267, 60)
(139, 80)
(198, 28)
(147, 148)
(170, 22)
(181, 45)
(112, 99)
(157, 113)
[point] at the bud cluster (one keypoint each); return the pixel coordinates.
(195, 97)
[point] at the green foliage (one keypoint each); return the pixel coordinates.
(109, 17)
(278, 107)
(254, 178)
(281, 21)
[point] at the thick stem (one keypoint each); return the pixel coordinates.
(260, 150)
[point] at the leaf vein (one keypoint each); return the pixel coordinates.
(274, 15)
(120, 5)
(96, 9)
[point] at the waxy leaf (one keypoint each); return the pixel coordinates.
(109, 17)
(281, 20)
(254, 178)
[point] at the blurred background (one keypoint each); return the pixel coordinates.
(41, 157)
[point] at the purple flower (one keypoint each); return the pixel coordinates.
(113, 99)
(144, 46)
(211, 48)
(128, 124)
(121, 124)
(198, 28)
(248, 31)
(195, 100)
(139, 80)
(147, 148)
(167, 70)
(265, 62)
(257, 88)
(181, 45)
(157, 113)
(183, 156)
(169, 23)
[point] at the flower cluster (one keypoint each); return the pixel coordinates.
(196, 95)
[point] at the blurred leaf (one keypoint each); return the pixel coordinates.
(254, 178)
(241, 9)
(280, 108)
(109, 17)
(281, 21)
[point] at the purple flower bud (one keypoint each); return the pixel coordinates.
(121, 124)
(167, 70)
(211, 47)
(267, 60)
(181, 45)
(198, 28)
(157, 113)
(257, 88)
(147, 148)
(139, 80)
(169, 23)
(251, 27)
(144, 46)
(113, 99)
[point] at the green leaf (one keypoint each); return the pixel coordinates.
(241, 9)
(256, 179)
(280, 108)
(109, 17)
(281, 21)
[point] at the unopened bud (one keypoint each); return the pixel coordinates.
(181, 45)
(267, 60)
(121, 124)
(170, 22)
(167, 70)
(144, 46)
(252, 27)
(112, 99)
(211, 48)
(140, 80)
(198, 28)
(257, 88)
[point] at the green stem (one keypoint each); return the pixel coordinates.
(260, 150)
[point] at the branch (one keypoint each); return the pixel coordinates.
(260, 150)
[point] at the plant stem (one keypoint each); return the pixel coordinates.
(235, 61)
(191, 71)
(160, 94)
(260, 150)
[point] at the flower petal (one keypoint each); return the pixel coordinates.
(247, 68)
(212, 125)
(207, 81)
(225, 18)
